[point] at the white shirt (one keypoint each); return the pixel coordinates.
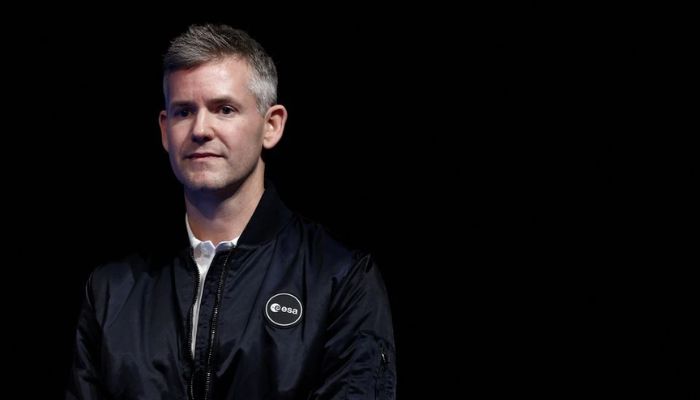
(204, 253)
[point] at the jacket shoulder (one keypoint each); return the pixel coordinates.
(118, 276)
(330, 252)
(119, 270)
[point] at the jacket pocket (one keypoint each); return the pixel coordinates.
(385, 377)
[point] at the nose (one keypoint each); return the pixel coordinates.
(202, 130)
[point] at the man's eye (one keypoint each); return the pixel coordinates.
(181, 112)
(227, 110)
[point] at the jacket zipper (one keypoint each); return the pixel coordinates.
(383, 361)
(213, 324)
(188, 349)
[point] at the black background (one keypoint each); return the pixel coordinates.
(506, 167)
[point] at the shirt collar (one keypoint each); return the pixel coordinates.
(196, 243)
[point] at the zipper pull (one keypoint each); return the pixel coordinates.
(385, 358)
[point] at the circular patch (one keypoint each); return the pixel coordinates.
(283, 309)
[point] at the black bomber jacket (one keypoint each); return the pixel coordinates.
(289, 313)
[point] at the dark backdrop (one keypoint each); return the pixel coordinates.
(501, 165)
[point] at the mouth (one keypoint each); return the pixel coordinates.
(202, 156)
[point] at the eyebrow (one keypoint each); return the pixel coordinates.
(215, 101)
(177, 104)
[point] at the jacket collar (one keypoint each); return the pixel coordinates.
(269, 217)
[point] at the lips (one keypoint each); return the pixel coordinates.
(196, 156)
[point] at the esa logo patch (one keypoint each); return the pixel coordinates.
(283, 309)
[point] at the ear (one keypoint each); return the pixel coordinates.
(275, 118)
(163, 123)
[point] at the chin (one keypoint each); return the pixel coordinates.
(210, 184)
(200, 183)
(204, 186)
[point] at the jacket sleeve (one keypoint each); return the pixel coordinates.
(359, 354)
(84, 377)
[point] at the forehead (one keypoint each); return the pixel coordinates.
(228, 76)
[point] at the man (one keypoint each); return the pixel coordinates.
(260, 304)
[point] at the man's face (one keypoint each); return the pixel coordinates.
(211, 128)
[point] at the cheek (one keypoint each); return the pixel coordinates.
(175, 140)
(248, 144)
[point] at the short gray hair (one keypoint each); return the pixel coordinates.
(201, 44)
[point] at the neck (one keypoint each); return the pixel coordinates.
(219, 218)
